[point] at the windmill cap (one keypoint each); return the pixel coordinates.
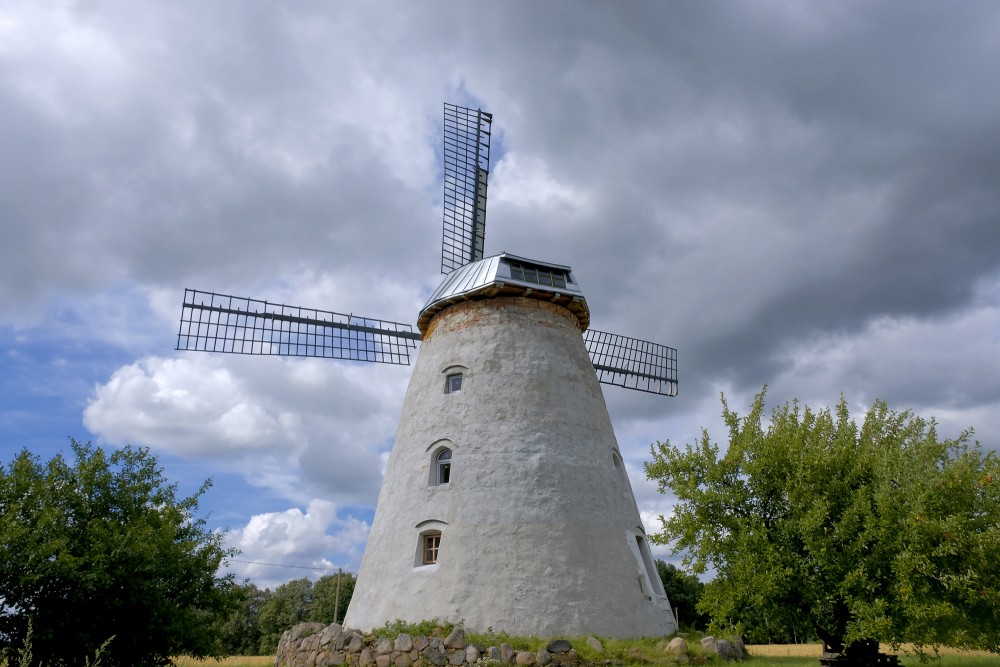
(508, 275)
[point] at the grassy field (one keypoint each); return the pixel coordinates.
(803, 655)
(232, 661)
(770, 655)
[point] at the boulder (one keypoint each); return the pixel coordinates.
(595, 644)
(456, 639)
(677, 646)
(330, 634)
(435, 656)
(725, 650)
(558, 646)
(740, 648)
(305, 630)
(404, 642)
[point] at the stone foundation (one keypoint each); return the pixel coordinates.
(316, 645)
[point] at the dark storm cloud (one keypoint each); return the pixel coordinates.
(799, 194)
(843, 163)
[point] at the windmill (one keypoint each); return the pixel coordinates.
(505, 502)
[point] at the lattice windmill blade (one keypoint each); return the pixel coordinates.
(466, 169)
(632, 363)
(212, 322)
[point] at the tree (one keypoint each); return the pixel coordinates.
(239, 630)
(684, 592)
(104, 547)
(879, 532)
(331, 595)
(289, 604)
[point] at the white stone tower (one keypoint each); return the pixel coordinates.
(505, 502)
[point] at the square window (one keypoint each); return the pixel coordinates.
(453, 383)
(432, 542)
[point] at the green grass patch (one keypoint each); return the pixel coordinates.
(653, 650)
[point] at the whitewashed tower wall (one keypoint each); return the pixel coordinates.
(539, 529)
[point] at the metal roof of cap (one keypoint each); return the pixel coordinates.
(491, 277)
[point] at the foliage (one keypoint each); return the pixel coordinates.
(24, 656)
(329, 603)
(299, 601)
(684, 592)
(239, 630)
(881, 531)
(104, 547)
(429, 628)
(287, 606)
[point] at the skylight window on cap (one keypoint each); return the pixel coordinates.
(538, 275)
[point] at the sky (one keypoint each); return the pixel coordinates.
(801, 195)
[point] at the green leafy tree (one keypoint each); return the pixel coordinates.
(104, 547)
(878, 532)
(331, 595)
(239, 630)
(684, 591)
(289, 604)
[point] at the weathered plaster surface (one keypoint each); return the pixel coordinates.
(538, 522)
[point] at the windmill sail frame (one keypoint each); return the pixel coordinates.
(213, 322)
(466, 172)
(632, 363)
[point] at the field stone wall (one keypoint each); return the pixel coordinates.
(318, 645)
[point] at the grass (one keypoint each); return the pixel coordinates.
(231, 661)
(801, 655)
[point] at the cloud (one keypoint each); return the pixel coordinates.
(293, 426)
(277, 546)
(908, 359)
(798, 197)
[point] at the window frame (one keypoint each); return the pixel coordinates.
(430, 547)
(647, 565)
(442, 469)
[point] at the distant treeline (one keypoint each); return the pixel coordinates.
(258, 617)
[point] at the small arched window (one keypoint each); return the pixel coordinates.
(646, 561)
(454, 378)
(442, 467)
(616, 458)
